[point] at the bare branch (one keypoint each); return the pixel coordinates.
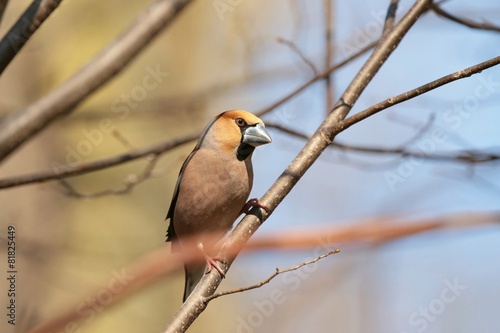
(465, 156)
(299, 52)
(390, 17)
(275, 274)
(464, 21)
(21, 126)
(321, 76)
(344, 124)
(64, 171)
(3, 5)
(129, 183)
(24, 28)
(329, 49)
(122, 139)
(323, 137)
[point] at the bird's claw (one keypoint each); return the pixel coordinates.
(212, 263)
(254, 202)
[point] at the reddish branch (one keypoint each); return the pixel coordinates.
(160, 262)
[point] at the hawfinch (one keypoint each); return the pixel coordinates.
(213, 187)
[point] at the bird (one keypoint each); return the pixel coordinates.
(212, 189)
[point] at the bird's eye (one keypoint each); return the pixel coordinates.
(240, 122)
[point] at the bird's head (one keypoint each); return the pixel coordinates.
(236, 131)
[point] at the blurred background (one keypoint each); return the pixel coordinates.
(221, 55)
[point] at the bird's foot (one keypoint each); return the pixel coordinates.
(254, 202)
(211, 262)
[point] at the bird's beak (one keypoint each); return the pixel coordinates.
(256, 135)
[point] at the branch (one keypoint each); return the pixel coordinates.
(465, 156)
(196, 303)
(329, 49)
(275, 274)
(62, 171)
(129, 183)
(3, 5)
(390, 17)
(20, 127)
(464, 21)
(299, 52)
(344, 124)
(321, 76)
(24, 28)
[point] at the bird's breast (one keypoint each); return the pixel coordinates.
(211, 193)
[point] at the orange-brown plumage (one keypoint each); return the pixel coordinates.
(214, 184)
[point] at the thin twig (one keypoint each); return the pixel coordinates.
(275, 274)
(299, 52)
(321, 76)
(122, 139)
(344, 124)
(23, 125)
(129, 183)
(24, 28)
(328, 4)
(464, 21)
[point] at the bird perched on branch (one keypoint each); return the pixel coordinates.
(213, 187)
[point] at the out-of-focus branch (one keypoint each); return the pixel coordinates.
(465, 156)
(321, 76)
(436, 8)
(329, 49)
(24, 28)
(322, 138)
(83, 168)
(128, 184)
(67, 171)
(299, 52)
(350, 235)
(21, 126)
(275, 274)
(3, 5)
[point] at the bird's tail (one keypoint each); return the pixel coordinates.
(193, 273)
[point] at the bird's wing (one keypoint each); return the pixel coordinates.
(170, 215)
